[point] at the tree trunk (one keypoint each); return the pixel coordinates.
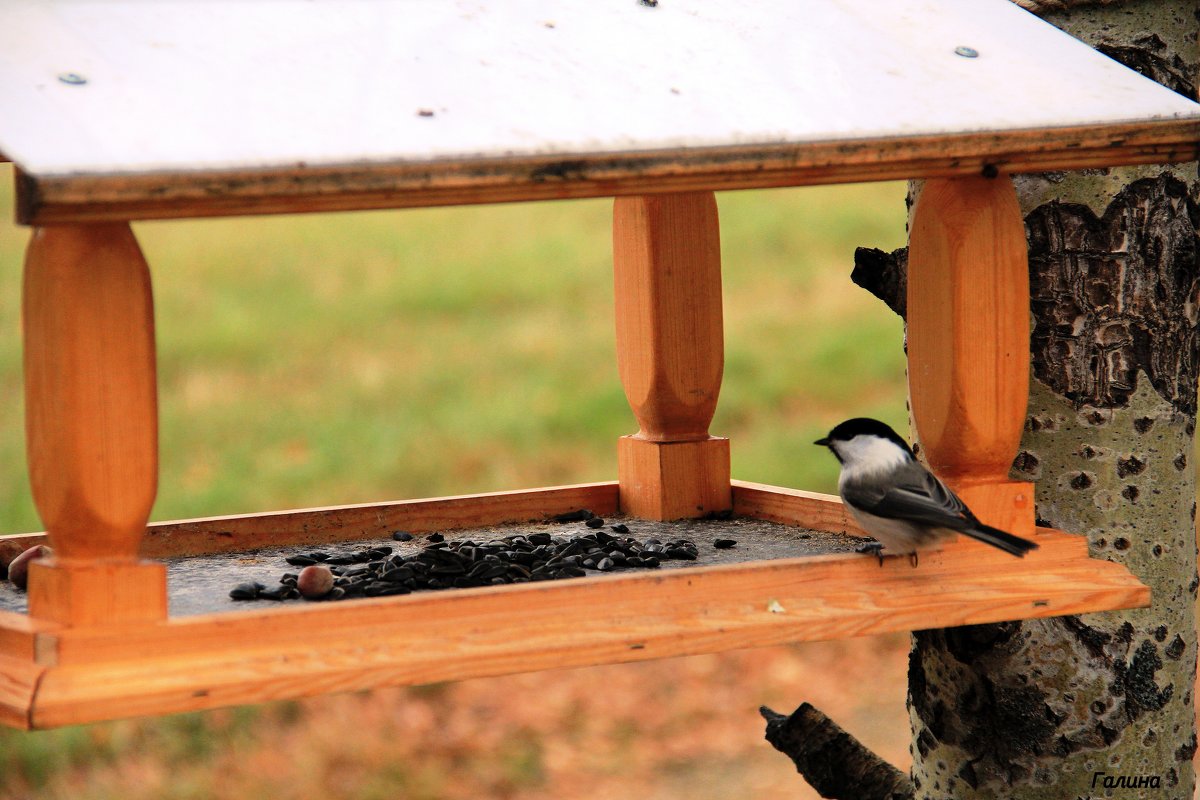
(1097, 705)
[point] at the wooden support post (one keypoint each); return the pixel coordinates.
(968, 342)
(670, 354)
(91, 423)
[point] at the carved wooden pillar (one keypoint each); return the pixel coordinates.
(91, 423)
(670, 353)
(968, 342)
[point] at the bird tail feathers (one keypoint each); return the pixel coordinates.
(1002, 539)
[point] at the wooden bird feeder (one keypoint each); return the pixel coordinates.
(129, 111)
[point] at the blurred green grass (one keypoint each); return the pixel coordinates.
(350, 358)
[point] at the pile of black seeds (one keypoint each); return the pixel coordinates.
(379, 572)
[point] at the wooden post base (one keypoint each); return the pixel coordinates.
(98, 593)
(1007, 506)
(673, 480)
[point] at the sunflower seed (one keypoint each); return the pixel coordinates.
(246, 591)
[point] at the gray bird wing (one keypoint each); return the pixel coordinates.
(916, 495)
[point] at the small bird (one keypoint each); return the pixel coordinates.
(897, 500)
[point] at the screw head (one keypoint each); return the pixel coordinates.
(72, 78)
(966, 52)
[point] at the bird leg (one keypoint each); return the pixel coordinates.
(871, 548)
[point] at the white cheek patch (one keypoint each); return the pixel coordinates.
(865, 455)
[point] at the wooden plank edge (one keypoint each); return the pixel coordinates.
(23, 647)
(357, 522)
(821, 512)
(19, 635)
(19, 684)
(299, 189)
(685, 615)
(826, 512)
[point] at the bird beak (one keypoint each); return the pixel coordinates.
(823, 441)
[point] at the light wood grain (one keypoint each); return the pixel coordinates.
(670, 341)
(822, 512)
(1007, 505)
(302, 189)
(18, 685)
(968, 341)
(18, 634)
(104, 592)
(358, 522)
(91, 415)
(670, 353)
(673, 480)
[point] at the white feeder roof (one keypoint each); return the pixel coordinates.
(217, 106)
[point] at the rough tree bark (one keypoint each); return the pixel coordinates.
(1040, 709)
(1097, 705)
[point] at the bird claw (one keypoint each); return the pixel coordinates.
(871, 548)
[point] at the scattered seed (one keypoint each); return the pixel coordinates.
(724, 544)
(580, 515)
(246, 591)
(375, 571)
(680, 553)
(280, 592)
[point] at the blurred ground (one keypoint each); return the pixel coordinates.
(678, 728)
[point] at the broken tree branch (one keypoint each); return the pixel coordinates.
(833, 762)
(884, 275)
